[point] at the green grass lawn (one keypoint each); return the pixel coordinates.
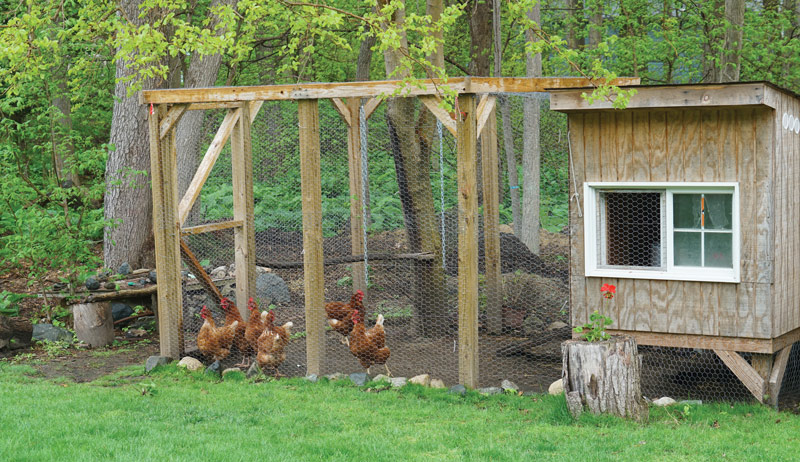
(173, 415)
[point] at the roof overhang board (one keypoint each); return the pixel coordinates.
(678, 96)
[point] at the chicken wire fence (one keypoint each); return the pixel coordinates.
(414, 290)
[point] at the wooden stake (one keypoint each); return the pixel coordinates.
(744, 371)
(778, 371)
(356, 199)
(491, 225)
(467, 242)
(166, 230)
(314, 277)
(244, 236)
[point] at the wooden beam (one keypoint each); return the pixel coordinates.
(173, 116)
(119, 294)
(420, 256)
(677, 96)
(485, 111)
(209, 159)
(243, 203)
(211, 227)
(491, 222)
(342, 108)
(762, 364)
(371, 105)
(432, 103)
(778, 371)
(205, 106)
(467, 155)
(314, 276)
(367, 89)
(744, 371)
(356, 197)
(166, 233)
(706, 342)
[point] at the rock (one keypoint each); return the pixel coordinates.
(336, 376)
(135, 333)
(438, 383)
(359, 378)
(422, 379)
(490, 391)
(508, 385)
(557, 325)
(110, 285)
(155, 361)
(152, 276)
(59, 286)
(665, 401)
(214, 368)
(556, 388)
(191, 364)
(120, 311)
(124, 269)
(262, 269)
(92, 283)
(381, 378)
(398, 382)
(458, 389)
(270, 288)
(312, 378)
(145, 322)
(691, 402)
(219, 272)
(51, 333)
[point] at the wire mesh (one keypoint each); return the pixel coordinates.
(411, 246)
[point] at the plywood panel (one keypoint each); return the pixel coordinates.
(746, 307)
(657, 146)
(643, 307)
(779, 191)
(762, 325)
(639, 169)
(693, 308)
(659, 311)
(709, 136)
(577, 300)
(576, 206)
(626, 158)
(591, 134)
(794, 224)
(608, 148)
(676, 143)
(624, 308)
(692, 149)
(728, 310)
(745, 129)
(676, 321)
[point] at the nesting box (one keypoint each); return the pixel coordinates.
(688, 201)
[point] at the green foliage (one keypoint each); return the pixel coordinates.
(9, 303)
(595, 329)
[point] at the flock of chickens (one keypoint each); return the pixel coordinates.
(260, 336)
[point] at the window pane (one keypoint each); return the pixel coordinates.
(633, 229)
(718, 250)
(687, 249)
(719, 213)
(686, 211)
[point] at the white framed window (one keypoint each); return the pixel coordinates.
(673, 231)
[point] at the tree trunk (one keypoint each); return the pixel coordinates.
(412, 164)
(574, 23)
(732, 49)
(94, 324)
(531, 151)
(480, 53)
(711, 15)
(19, 329)
(63, 147)
(596, 26)
(128, 200)
(603, 377)
(202, 72)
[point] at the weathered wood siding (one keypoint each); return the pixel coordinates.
(786, 312)
(693, 144)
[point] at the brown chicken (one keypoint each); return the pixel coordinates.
(340, 314)
(231, 315)
(214, 341)
(255, 326)
(272, 343)
(369, 346)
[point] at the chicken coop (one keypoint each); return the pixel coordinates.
(305, 194)
(687, 202)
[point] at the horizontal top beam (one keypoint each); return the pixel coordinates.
(365, 89)
(674, 96)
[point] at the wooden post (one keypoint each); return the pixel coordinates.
(491, 226)
(94, 324)
(466, 142)
(167, 234)
(356, 197)
(244, 236)
(313, 277)
(778, 371)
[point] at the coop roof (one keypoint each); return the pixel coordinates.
(677, 96)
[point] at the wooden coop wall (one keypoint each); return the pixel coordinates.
(786, 295)
(723, 144)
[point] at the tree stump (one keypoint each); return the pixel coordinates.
(94, 324)
(603, 377)
(17, 328)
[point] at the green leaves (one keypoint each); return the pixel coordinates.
(595, 329)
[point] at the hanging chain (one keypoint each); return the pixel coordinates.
(362, 122)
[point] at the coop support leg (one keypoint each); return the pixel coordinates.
(751, 379)
(778, 371)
